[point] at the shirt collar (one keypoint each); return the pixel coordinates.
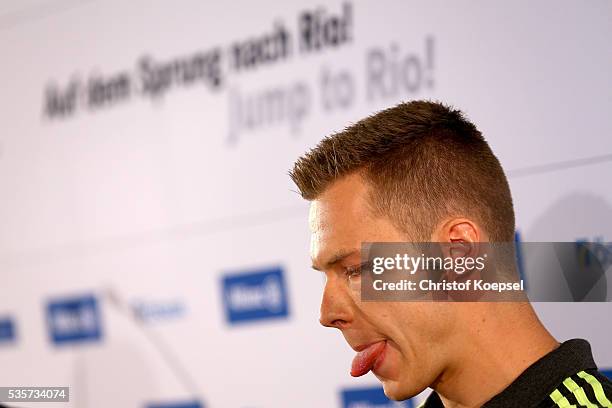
(541, 378)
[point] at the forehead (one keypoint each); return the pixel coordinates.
(340, 205)
(342, 218)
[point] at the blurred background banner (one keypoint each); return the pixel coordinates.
(153, 250)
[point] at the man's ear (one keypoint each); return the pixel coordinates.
(458, 230)
(462, 234)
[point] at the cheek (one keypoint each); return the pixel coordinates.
(413, 326)
(417, 325)
(385, 317)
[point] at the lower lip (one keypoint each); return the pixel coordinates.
(380, 359)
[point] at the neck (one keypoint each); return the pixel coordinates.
(499, 342)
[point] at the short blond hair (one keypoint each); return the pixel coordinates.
(423, 161)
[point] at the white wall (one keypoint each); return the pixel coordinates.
(151, 200)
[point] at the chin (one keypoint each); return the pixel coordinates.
(396, 391)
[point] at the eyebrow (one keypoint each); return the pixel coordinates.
(337, 257)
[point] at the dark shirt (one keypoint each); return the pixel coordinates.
(566, 377)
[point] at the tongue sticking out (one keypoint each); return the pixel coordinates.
(365, 359)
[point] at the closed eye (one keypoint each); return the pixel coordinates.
(355, 270)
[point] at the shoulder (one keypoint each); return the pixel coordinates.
(586, 388)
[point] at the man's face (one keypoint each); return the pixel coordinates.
(409, 342)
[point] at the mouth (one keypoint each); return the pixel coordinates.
(368, 357)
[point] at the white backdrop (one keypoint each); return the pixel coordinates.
(141, 166)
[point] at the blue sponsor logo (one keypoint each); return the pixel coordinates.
(372, 397)
(7, 330)
(185, 404)
(255, 295)
(594, 251)
(520, 264)
(607, 373)
(153, 311)
(74, 320)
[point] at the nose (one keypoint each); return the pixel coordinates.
(336, 309)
